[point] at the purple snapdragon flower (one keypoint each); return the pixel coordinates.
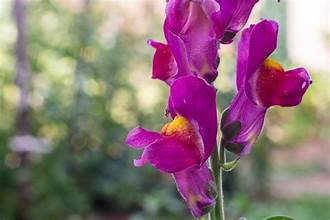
(184, 144)
(261, 83)
(193, 30)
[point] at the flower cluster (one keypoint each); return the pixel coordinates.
(187, 63)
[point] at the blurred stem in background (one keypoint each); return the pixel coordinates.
(22, 125)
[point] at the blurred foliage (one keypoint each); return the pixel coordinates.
(299, 208)
(90, 84)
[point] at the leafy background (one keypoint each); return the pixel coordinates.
(90, 83)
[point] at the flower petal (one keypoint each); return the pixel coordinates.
(270, 86)
(256, 44)
(251, 118)
(140, 162)
(194, 99)
(293, 86)
(139, 137)
(283, 88)
(197, 188)
(190, 32)
(261, 83)
(164, 66)
(232, 17)
(179, 52)
(171, 155)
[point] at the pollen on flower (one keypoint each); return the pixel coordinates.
(272, 64)
(178, 125)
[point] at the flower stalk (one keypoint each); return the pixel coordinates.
(217, 161)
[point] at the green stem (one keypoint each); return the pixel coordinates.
(220, 188)
(218, 211)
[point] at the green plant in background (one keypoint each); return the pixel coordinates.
(81, 177)
(79, 86)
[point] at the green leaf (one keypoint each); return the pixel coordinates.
(279, 217)
(229, 166)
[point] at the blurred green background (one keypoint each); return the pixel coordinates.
(90, 83)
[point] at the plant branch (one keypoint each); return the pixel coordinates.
(216, 161)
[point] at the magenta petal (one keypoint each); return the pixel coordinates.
(139, 137)
(270, 87)
(182, 15)
(261, 83)
(179, 52)
(141, 161)
(164, 66)
(251, 119)
(197, 188)
(171, 155)
(189, 31)
(243, 120)
(194, 99)
(234, 15)
(256, 44)
(292, 87)
(223, 17)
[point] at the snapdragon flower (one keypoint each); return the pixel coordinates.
(193, 30)
(261, 83)
(183, 145)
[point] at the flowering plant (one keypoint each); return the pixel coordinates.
(187, 63)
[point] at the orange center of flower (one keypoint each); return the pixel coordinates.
(272, 64)
(181, 128)
(268, 82)
(179, 124)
